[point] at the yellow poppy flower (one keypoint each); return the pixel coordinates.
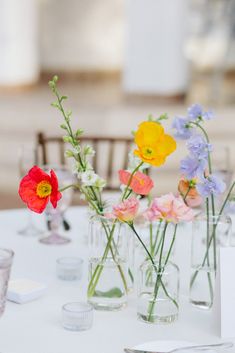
(153, 144)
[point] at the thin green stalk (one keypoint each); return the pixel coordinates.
(91, 287)
(208, 260)
(214, 230)
(156, 288)
(130, 180)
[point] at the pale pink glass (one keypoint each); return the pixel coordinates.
(6, 257)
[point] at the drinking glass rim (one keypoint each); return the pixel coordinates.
(84, 307)
(77, 260)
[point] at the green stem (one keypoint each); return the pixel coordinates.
(67, 187)
(159, 276)
(91, 286)
(130, 180)
(208, 260)
(214, 230)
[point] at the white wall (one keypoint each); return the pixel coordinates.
(82, 34)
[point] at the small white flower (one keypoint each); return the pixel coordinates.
(89, 178)
(75, 169)
(100, 183)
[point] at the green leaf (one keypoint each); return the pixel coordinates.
(68, 139)
(69, 113)
(63, 126)
(69, 154)
(55, 105)
(63, 98)
(79, 132)
(112, 293)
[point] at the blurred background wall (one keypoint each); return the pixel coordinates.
(118, 61)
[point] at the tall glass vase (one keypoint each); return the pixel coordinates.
(108, 263)
(209, 233)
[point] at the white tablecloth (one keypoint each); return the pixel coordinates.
(35, 327)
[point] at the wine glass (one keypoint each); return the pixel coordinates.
(55, 216)
(27, 159)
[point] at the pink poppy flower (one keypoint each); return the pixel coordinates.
(169, 208)
(141, 183)
(126, 211)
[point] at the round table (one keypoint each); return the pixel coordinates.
(35, 327)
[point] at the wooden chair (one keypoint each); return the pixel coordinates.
(111, 154)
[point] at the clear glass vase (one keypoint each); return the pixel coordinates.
(158, 293)
(209, 233)
(108, 264)
(152, 234)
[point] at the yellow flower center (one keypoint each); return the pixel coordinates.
(148, 152)
(44, 189)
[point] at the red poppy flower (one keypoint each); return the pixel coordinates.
(141, 183)
(37, 188)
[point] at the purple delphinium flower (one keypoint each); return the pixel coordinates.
(208, 115)
(192, 167)
(196, 111)
(182, 131)
(198, 146)
(212, 185)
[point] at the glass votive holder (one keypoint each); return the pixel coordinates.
(69, 268)
(77, 316)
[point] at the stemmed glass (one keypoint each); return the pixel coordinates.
(27, 159)
(55, 216)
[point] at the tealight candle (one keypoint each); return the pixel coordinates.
(77, 316)
(69, 268)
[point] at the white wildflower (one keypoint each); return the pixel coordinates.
(100, 183)
(88, 178)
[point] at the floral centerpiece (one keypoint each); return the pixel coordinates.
(159, 279)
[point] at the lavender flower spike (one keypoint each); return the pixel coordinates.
(212, 185)
(198, 146)
(192, 167)
(182, 131)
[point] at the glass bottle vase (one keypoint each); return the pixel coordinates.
(108, 264)
(158, 293)
(208, 234)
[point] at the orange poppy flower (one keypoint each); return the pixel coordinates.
(37, 188)
(187, 189)
(141, 183)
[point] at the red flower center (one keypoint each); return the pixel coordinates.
(44, 189)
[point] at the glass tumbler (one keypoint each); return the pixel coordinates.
(6, 257)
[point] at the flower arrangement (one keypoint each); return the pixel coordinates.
(153, 146)
(205, 185)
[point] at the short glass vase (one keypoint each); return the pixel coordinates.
(158, 293)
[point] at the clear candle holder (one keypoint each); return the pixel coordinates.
(69, 268)
(77, 316)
